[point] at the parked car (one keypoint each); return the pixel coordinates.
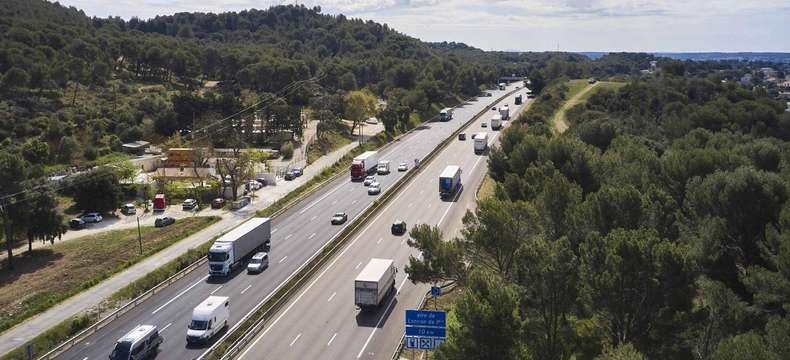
(77, 224)
(253, 185)
(298, 171)
(374, 188)
(592, 81)
(290, 175)
(372, 121)
(218, 203)
(258, 262)
(369, 180)
(339, 218)
(189, 204)
(128, 209)
(164, 221)
(261, 181)
(403, 167)
(489, 94)
(91, 217)
(462, 136)
(399, 227)
(240, 203)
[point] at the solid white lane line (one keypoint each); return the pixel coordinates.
(217, 289)
(165, 327)
(283, 259)
(245, 289)
(332, 339)
(321, 198)
(179, 295)
(289, 236)
(331, 297)
(294, 340)
(85, 358)
(311, 236)
(358, 265)
(378, 324)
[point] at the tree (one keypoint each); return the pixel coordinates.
(441, 261)
(97, 191)
(358, 106)
(12, 210)
(621, 352)
(15, 78)
(35, 151)
(44, 220)
(750, 346)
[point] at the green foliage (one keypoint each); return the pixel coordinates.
(97, 191)
(441, 261)
(287, 150)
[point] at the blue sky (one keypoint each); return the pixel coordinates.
(538, 25)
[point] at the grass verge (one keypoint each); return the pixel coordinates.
(329, 142)
(487, 188)
(45, 277)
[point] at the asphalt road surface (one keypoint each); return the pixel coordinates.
(322, 322)
(297, 235)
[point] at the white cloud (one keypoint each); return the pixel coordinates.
(574, 25)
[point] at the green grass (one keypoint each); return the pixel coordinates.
(610, 85)
(329, 142)
(574, 97)
(45, 277)
(53, 337)
(575, 87)
(487, 188)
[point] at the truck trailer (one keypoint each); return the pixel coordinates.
(496, 122)
(446, 114)
(238, 245)
(364, 164)
(504, 111)
(160, 202)
(481, 142)
(373, 284)
(450, 180)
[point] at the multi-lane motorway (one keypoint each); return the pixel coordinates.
(296, 236)
(322, 322)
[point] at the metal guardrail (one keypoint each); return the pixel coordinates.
(307, 270)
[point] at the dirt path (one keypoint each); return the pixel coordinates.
(560, 123)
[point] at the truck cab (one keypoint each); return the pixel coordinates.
(383, 167)
(220, 259)
(208, 319)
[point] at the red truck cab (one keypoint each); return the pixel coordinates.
(160, 203)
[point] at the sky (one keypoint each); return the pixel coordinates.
(534, 25)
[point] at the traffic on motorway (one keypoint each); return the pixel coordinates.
(296, 236)
(368, 322)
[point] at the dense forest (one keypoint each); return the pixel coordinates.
(657, 226)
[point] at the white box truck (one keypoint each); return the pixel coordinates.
(502, 86)
(373, 284)
(505, 112)
(363, 164)
(496, 122)
(383, 168)
(481, 142)
(208, 319)
(446, 114)
(238, 245)
(450, 181)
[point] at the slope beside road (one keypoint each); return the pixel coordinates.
(296, 235)
(322, 322)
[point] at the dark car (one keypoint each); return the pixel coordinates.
(290, 175)
(462, 136)
(77, 224)
(164, 221)
(297, 171)
(261, 181)
(218, 203)
(339, 218)
(399, 227)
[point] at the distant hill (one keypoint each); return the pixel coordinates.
(776, 57)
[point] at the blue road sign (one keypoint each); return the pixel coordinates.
(426, 318)
(412, 342)
(436, 291)
(426, 331)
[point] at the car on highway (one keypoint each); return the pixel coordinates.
(489, 94)
(258, 262)
(369, 180)
(92, 217)
(140, 343)
(462, 136)
(398, 227)
(403, 167)
(493, 108)
(483, 124)
(128, 209)
(189, 204)
(76, 224)
(374, 188)
(164, 221)
(218, 203)
(339, 218)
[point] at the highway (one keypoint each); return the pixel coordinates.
(322, 322)
(296, 236)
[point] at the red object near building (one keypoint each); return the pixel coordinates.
(160, 203)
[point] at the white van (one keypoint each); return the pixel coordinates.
(208, 319)
(140, 343)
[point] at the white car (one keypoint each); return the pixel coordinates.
(254, 185)
(91, 217)
(374, 189)
(372, 121)
(258, 262)
(403, 167)
(369, 180)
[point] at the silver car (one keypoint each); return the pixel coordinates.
(369, 180)
(258, 262)
(374, 189)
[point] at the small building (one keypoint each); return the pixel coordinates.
(746, 79)
(136, 147)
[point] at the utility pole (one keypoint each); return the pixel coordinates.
(139, 236)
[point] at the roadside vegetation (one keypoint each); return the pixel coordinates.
(657, 226)
(44, 277)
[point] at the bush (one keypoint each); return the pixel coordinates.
(287, 150)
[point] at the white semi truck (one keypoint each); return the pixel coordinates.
(481, 142)
(446, 114)
(504, 111)
(496, 122)
(373, 284)
(363, 164)
(238, 245)
(450, 181)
